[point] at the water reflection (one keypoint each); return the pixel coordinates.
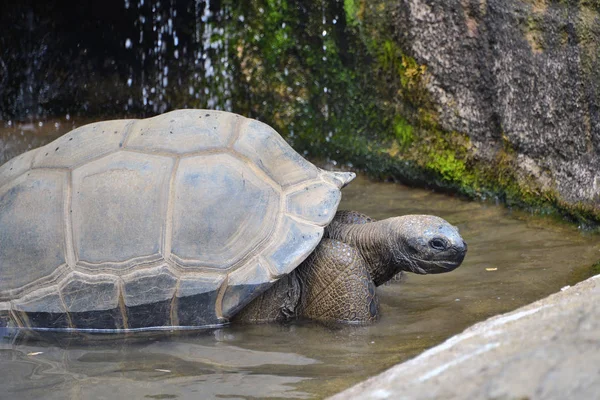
(179, 365)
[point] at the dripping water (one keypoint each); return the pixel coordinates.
(209, 85)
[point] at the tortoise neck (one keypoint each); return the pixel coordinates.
(372, 240)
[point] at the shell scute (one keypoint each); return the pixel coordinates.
(149, 286)
(244, 285)
(118, 207)
(16, 166)
(41, 308)
(197, 298)
(316, 202)
(32, 242)
(264, 147)
(82, 292)
(83, 144)
(44, 300)
(295, 241)
(183, 131)
(148, 297)
(223, 210)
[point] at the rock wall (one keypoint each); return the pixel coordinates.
(517, 74)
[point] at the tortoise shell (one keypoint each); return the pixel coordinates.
(176, 220)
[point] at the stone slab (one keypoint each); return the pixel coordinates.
(549, 349)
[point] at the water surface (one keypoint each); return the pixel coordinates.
(513, 259)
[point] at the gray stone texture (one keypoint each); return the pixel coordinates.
(522, 74)
(549, 349)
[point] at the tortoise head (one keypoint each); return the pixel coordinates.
(425, 244)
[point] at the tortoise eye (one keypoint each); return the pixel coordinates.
(437, 244)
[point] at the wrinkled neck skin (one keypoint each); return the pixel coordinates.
(374, 241)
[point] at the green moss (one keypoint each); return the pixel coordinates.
(448, 166)
(353, 95)
(388, 54)
(398, 70)
(411, 72)
(351, 8)
(403, 131)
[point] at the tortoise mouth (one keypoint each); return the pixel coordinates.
(443, 263)
(439, 267)
(447, 265)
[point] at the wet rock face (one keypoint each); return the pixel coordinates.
(518, 73)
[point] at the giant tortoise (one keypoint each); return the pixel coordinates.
(188, 218)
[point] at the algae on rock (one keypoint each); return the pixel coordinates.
(422, 91)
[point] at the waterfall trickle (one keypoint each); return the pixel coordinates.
(212, 55)
(206, 80)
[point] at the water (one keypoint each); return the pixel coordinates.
(513, 259)
(159, 46)
(17, 137)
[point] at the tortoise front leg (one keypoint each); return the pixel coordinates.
(278, 304)
(332, 285)
(336, 285)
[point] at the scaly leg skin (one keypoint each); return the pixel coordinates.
(278, 304)
(331, 285)
(336, 285)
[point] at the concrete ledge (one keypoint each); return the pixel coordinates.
(549, 349)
